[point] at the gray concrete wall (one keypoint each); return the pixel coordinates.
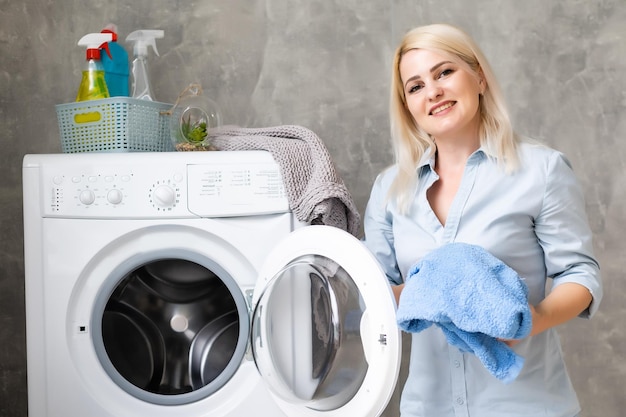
(324, 64)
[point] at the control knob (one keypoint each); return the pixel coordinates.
(164, 196)
(87, 197)
(114, 196)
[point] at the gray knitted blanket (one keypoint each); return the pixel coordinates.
(315, 192)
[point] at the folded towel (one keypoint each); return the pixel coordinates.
(315, 191)
(475, 299)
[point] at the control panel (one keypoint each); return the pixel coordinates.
(176, 189)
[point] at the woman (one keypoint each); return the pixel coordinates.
(462, 175)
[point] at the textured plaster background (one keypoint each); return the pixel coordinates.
(325, 65)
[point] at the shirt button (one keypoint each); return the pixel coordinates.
(459, 401)
(457, 364)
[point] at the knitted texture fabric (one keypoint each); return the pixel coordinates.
(315, 191)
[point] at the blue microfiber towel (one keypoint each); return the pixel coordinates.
(475, 299)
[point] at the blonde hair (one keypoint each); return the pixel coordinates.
(411, 142)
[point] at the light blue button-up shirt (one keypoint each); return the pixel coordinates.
(533, 220)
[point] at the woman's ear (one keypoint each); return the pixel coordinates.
(481, 81)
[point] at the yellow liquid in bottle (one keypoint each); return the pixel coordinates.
(92, 86)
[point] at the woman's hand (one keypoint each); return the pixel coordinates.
(513, 342)
(564, 302)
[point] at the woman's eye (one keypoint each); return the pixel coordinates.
(445, 72)
(414, 88)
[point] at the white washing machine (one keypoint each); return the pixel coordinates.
(162, 284)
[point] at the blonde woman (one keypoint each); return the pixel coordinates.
(461, 174)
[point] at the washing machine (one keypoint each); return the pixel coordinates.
(162, 284)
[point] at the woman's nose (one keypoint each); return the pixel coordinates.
(434, 91)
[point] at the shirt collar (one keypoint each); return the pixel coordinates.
(428, 159)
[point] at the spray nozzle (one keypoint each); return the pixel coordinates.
(112, 29)
(144, 38)
(94, 42)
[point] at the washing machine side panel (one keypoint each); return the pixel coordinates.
(33, 288)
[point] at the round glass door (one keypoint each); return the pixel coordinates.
(323, 333)
(306, 334)
(172, 328)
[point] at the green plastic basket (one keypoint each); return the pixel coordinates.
(117, 124)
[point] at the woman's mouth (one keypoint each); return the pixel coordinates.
(441, 108)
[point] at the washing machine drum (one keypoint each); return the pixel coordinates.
(172, 326)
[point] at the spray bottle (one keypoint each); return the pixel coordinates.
(141, 88)
(93, 85)
(116, 67)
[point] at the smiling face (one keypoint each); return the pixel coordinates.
(441, 94)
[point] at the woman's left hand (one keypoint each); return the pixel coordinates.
(513, 342)
(562, 304)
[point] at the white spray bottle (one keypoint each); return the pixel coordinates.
(141, 88)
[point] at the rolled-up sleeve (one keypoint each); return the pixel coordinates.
(563, 232)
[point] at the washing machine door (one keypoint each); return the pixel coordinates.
(324, 334)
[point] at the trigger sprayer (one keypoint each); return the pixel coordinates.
(141, 88)
(93, 85)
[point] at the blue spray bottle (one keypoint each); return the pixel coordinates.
(116, 65)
